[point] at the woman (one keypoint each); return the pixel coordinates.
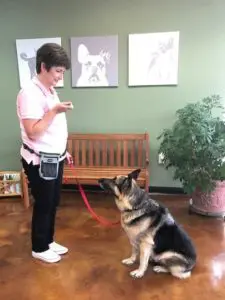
(44, 129)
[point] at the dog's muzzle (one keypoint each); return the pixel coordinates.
(104, 184)
(101, 183)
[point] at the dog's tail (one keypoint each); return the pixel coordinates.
(24, 56)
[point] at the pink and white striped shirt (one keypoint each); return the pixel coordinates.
(33, 101)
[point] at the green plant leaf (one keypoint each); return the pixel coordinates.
(194, 147)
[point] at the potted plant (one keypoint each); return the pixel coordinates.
(195, 149)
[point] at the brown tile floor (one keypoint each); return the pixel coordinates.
(92, 269)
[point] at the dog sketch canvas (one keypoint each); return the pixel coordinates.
(94, 61)
(153, 58)
(26, 57)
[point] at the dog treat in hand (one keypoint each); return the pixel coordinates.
(71, 105)
(68, 104)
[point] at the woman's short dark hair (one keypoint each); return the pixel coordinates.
(52, 55)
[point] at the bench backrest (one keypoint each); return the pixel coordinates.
(115, 150)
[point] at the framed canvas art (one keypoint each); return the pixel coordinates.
(94, 61)
(26, 57)
(153, 59)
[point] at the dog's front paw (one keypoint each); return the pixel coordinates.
(128, 261)
(137, 273)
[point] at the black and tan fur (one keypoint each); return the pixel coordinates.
(153, 233)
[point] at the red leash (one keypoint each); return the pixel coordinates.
(101, 220)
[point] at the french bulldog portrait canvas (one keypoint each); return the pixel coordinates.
(94, 61)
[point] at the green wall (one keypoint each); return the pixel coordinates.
(201, 64)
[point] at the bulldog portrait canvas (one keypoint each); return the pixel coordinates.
(94, 61)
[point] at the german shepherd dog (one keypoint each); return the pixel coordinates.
(152, 231)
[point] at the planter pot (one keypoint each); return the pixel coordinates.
(212, 204)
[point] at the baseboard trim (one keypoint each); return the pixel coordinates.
(166, 190)
(152, 189)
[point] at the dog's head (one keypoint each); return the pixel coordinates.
(93, 66)
(124, 188)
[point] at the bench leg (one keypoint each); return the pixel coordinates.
(146, 186)
(147, 182)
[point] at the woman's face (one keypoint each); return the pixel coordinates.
(54, 75)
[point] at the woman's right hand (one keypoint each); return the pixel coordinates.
(63, 107)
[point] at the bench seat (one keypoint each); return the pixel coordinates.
(90, 176)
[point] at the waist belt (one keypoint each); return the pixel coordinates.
(39, 154)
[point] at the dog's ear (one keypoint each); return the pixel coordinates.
(105, 55)
(82, 53)
(134, 174)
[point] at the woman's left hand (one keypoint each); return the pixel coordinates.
(69, 158)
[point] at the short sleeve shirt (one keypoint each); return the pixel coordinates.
(33, 102)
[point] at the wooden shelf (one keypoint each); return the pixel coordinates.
(10, 184)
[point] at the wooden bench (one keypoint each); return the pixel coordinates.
(107, 155)
(103, 155)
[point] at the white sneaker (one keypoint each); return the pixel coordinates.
(58, 249)
(47, 256)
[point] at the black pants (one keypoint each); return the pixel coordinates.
(46, 195)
